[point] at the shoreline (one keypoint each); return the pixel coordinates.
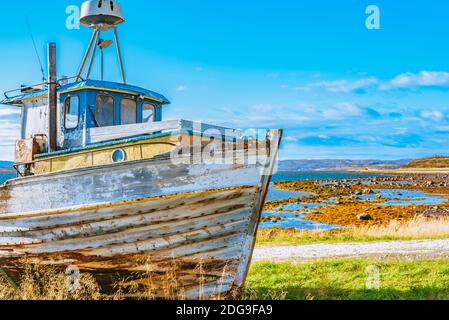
(407, 171)
(352, 198)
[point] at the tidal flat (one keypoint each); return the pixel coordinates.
(332, 208)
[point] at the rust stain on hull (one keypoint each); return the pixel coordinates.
(185, 233)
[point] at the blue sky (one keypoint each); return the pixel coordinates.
(310, 67)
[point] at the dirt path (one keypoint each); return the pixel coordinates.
(403, 250)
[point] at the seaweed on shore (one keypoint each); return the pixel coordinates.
(348, 208)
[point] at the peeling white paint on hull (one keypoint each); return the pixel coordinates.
(117, 222)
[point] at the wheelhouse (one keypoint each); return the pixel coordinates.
(86, 105)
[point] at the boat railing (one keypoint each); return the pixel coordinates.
(67, 80)
(104, 134)
(37, 87)
(25, 90)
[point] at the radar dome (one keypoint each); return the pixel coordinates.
(105, 13)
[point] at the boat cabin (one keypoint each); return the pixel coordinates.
(91, 114)
(83, 106)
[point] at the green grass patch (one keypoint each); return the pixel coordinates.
(347, 280)
(325, 238)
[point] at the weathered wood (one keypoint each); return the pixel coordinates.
(102, 134)
(52, 98)
(24, 151)
(274, 137)
(187, 230)
(122, 182)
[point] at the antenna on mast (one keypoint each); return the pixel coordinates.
(35, 49)
(100, 16)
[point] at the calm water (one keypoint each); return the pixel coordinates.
(6, 176)
(321, 176)
(276, 194)
(404, 198)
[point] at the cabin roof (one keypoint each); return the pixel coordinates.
(89, 84)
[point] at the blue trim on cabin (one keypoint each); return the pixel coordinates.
(100, 85)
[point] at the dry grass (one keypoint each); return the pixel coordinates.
(418, 227)
(47, 283)
(144, 288)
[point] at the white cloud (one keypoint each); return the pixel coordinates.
(181, 88)
(9, 133)
(4, 112)
(432, 115)
(290, 139)
(416, 80)
(341, 86)
(406, 80)
(342, 110)
(262, 108)
(273, 75)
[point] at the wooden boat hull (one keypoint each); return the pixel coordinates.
(181, 230)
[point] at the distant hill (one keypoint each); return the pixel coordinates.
(6, 167)
(338, 165)
(437, 162)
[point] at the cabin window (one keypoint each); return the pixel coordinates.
(72, 111)
(104, 110)
(148, 113)
(128, 111)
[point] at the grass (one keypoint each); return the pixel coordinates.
(332, 280)
(49, 283)
(348, 279)
(46, 283)
(416, 229)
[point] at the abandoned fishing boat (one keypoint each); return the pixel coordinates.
(106, 187)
